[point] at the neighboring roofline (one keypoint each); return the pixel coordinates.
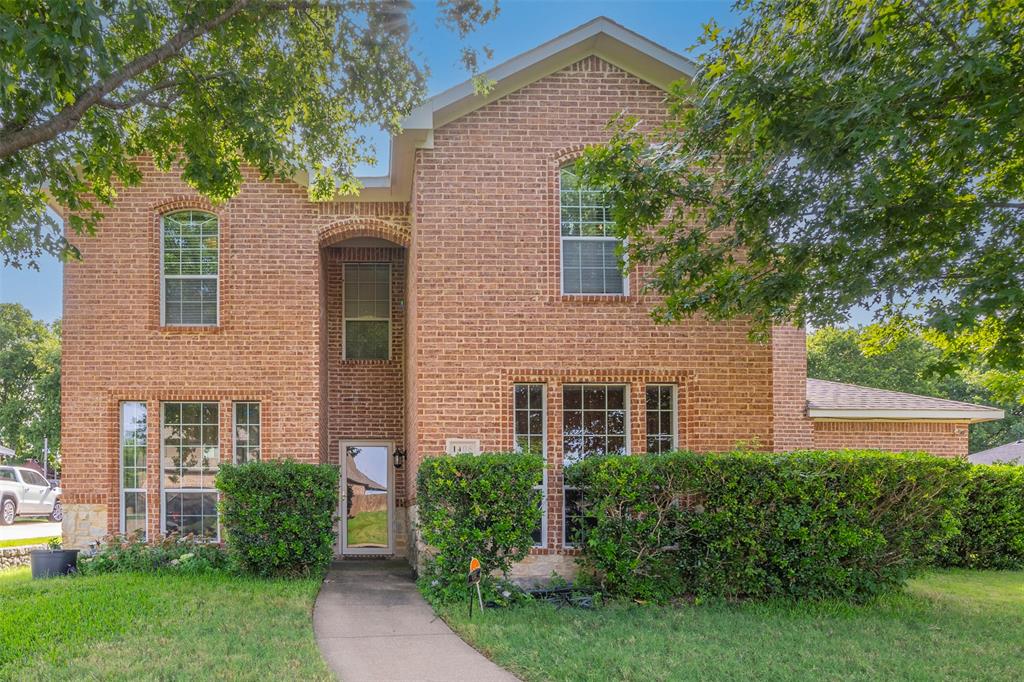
(971, 416)
(600, 36)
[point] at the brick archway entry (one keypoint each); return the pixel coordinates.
(363, 294)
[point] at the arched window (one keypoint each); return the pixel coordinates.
(590, 262)
(189, 265)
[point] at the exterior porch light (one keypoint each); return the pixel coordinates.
(399, 458)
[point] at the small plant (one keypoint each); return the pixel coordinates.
(133, 554)
(54, 544)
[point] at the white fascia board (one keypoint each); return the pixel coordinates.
(906, 414)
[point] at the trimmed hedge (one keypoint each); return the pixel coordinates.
(992, 522)
(278, 516)
(482, 506)
(749, 525)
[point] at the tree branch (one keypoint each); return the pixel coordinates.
(69, 116)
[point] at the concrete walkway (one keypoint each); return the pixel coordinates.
(372, 624)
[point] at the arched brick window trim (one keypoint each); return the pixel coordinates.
(350, 228)
(184, 202)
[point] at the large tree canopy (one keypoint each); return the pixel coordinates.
(835, 154)
(208, 85)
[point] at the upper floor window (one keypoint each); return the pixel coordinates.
(367, 310)
(189, 264)
(590, 261)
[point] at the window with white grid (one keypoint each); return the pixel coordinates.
(590, 260)
(246, 432)
(133, 468)
(661, 418)
(189, 266)
(530, 435)
(367, 311)
(190, 459)
(594, 422)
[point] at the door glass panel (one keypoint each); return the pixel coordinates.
(367, 478)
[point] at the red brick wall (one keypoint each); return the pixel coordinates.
(266, 347)
(486, 287)
(366, 397)
(947, 439)
(792, 428)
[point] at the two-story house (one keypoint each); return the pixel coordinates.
(471, 300)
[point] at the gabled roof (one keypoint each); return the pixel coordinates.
(1010, 453)
(601, 37)
(831, 399)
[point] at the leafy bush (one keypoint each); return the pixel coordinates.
(482, 506)
(992, 523)
(181, 554)
(278, 516)
(813, 525)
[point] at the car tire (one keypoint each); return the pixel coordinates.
(7, 512)
(57, 514)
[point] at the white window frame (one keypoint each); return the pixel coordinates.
(346, 319)
(120, 467)
(543, 487)
(673, 388)
(164, 277)
(627, 431)
(163, 489)
(561, 252)
(234, 429)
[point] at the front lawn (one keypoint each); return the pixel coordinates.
(949, 625)
(157, 626)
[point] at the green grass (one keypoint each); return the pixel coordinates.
(949, 625)
(368, 528)
(25, 541)
(156, 626)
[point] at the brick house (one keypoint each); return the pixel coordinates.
(471, 300)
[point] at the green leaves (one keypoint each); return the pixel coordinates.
(278, 516)
(29, 382)
(803, 525)
(835, 155)
(205, 88)
(482, 506)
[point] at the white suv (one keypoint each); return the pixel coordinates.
(23, 492)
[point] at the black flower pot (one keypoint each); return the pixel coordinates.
(47, 563)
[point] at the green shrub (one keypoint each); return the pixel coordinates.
(278, 516)
(482, 506)
(992, 523)
(180, 554)
(805, 525)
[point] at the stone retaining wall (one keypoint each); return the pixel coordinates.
(12, 557)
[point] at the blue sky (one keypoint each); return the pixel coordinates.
(521, 25)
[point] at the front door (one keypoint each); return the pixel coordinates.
(367, 498)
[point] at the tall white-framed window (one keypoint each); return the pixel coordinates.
(662, 432)
(530, 412)
(595, 421)
(190, 459)
(189, 269)
(590, 260)
(133, 468)
(246, 432)
(367, 311)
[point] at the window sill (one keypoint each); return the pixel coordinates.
(595, 298)
(191, 328)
